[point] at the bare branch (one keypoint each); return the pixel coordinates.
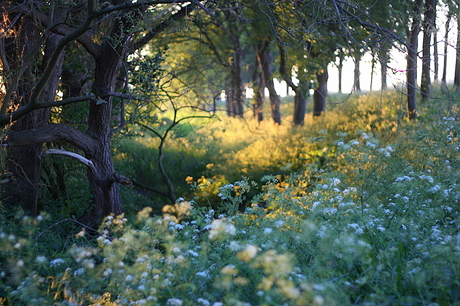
(84, 160)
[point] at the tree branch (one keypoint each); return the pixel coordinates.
(84, 160)
(162, 193)
(182, 13)
(24, 110)
(50, 133)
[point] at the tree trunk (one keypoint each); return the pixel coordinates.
(25, 162)
(457, 58)
(428, 28)
(446, 46)
(264, 60)
(301, 90)
(435, 51)
(275, 102)
(300, 104)
(372, 74)
(106, 193)
(258, 84)
(383, 55)
(412, 62)
(357, 73)
(235, 98)
(320, 94)
(340, 69)
(258, 87)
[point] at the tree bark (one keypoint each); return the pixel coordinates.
(258, 87)
(264, 60)
(25, 162)
(446, 46)
(435, 51)
(457, 58)
(384, 57)
(340, 70)
(300, 90)
(357, 73)
(412, 62)
(300, 106)
(428, 28)
(320, 94)
(235, 90)
(35, 89)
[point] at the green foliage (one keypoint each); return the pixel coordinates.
(369, 216)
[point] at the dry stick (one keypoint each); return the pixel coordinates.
(68, 219)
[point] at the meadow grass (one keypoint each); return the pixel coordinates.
(360, 207)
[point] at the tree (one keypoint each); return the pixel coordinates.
(356, 71)
(428, 29)
(108, 32)
(287, 64)
(446, 45)
(412, 46)
(18, 71)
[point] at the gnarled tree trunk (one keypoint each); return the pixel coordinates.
(264, 61)
(25, 162)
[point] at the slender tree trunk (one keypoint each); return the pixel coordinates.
(457, 58)
(446, 45)
(275, 102)
(412, 62)
(435, 49)
(357, 73)
(320, 94)
(383, 55)
(235, 99)
(258, 84)
(372, 75)
(428, 28)
(258, 96)
(340, 70)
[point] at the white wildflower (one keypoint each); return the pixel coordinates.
(335, 181)
(221, 227)
(315, 204)
(204, 302)
(56, 262)
(434, 189)
(331, 210)
(403, 178)
(174, 302)
(248, 253)
(370, 144)
(79, 272)
(202, 274)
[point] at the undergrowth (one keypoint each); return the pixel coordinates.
(348, 210)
